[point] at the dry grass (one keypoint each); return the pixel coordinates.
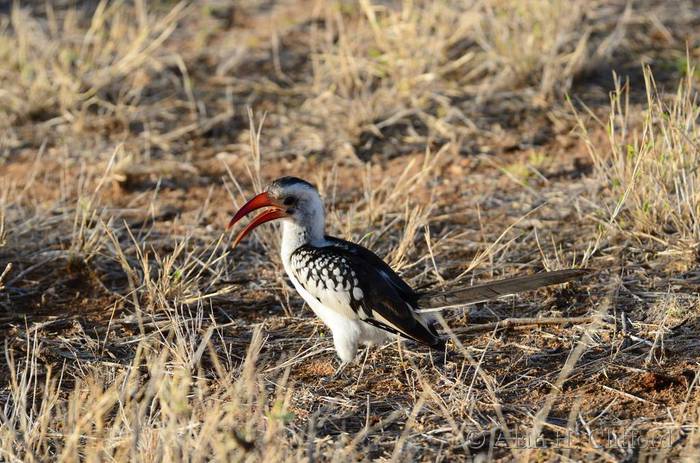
(66, 66)
(439, 135)
(376, 67)
(649, 168)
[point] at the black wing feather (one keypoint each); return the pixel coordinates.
(368, 257)
(387, 302)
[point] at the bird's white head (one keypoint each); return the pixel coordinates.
(292, 199)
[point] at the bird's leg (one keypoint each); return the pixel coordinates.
(364, 362)
(340, 369)
(366, 355)
(346, 347)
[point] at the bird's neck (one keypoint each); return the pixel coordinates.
(295, 235)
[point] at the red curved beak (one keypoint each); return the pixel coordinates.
(260, 201)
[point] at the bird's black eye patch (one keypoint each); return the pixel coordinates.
(289, 200)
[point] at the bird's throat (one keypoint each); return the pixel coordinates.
(295, 235)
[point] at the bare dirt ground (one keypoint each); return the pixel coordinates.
(460, 141)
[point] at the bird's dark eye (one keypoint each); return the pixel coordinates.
(289, 200)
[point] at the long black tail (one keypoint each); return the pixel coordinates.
(494, 289)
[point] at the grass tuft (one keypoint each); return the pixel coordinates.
(71, 66)
(649, 164)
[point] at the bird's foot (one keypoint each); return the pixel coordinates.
(341, 368)
(338, 374)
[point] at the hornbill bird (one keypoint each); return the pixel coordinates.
(356, 294)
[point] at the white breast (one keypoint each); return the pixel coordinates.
(348, 330)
